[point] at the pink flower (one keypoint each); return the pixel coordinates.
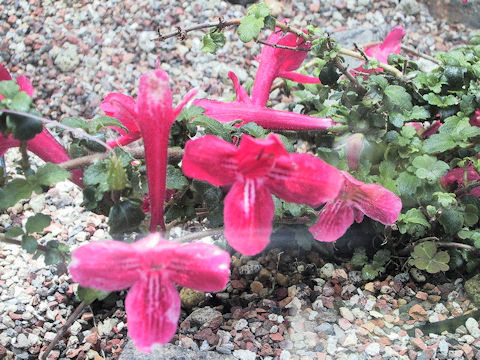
(354, 147)
(122, 108)
(429, 131)
(44, 145)
(392, 44)
(150, 267)
(277, 62)
(355, 200)
(255, 170)
(151, 115)
(455, 179)
(475, 119)
(245, 109)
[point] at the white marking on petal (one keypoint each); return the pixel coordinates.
(223, 266)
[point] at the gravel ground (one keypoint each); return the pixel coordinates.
(289, 305)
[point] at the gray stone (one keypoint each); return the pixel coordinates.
(373, 349)
(145, 40)
(203, 316)
(472, 326)
(67, 58)
(251, 268)
(171, 352)
(326, 271)
(37, 203)
(244, 354)
(22, 341)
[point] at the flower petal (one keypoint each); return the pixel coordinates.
(155, 117)
(333, 221)
(241, 93)
(256, 157)
(46, 147)
(267, 118)
(189, 96)
(210, 159)
(25, 85)
(4, 74)
(248, 217)
(154, 102)
(153, 309)
(392, 44)
(199, 266)
(106, 265)
(373, 200)
(122, 108)
(304, 178)
(300, 78)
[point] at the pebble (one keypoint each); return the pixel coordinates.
(472, 326)
(203, 316)
(244, 354)
(372, 349)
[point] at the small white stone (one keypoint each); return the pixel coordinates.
(373, 349)
(472, 326)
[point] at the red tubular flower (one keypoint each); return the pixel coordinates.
(150, 267)
(246, 110)
(151, 115)
(392, 44)
(44, 145)
(122, 108)
(255, 170)
(277, 62)
(355, 200)
(455, 179)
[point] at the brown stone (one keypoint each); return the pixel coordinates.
(421, 295)
(276, 337)
(418, 313)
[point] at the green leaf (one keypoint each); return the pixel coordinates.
(445, 199)
(116, 175)
(175, 178)
(253, 129)
(414, 216)
(429, 168)
(419, 113)
(398, 96)
(369, 272)
(14, 191)
(451, 220)
(76, 122)
(407, 184)
(249, 28)
(208, 45)
(53, 256)
(9, 88)
(14, 231)
(37, 223)
(96, 174)
(359, 257)
(103, 121)
(440, 101)
(51, 173)
(427, 258)
(260, 10)
(29, 243)
(293, 209)
(125, 216)
(90, 295)
(212, 126)
(21, 102)
(471, 215)
(438, 143)
(381, 257)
